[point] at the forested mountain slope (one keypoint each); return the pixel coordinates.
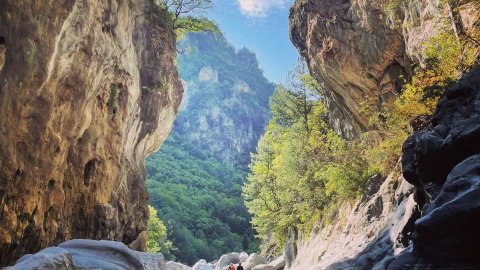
(195, 179)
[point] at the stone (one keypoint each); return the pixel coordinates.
(230, 258)
(52, 258)
(88, 89)
(277, 264)
(253, 260)
(176, 266)
(448, 231)
(90, 254)
(352, 53)
(202, 265)
(454, 133)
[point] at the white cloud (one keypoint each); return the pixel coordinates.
(259, 8)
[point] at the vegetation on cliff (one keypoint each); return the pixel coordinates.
(303, 170)
(302, 167)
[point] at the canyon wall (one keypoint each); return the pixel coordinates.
(87, 90)
(363, 51)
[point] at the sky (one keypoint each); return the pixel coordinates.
(261, 26)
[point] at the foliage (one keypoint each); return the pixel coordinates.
(187, 16)
(195, 179)
(191, 24)
(303, 170)
(112, 99)
(446, 59)
(301, 165)
(198, 197)
(157, 234)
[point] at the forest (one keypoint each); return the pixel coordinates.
(195, 180)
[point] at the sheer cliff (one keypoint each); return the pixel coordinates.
(363, 51)
(88, 90)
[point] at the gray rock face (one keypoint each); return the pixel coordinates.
(359, 237)
(352, 53)
(90, 254)
(454, 135)
(444, 164)
(176, 266)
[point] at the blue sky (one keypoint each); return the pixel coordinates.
(261, 26)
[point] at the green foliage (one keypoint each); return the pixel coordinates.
(301, 166)
(447, 57)
(198, 197)
(190, 24)
(157, 234)
(195, 179)
(187, 16)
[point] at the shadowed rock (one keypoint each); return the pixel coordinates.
(90, 254)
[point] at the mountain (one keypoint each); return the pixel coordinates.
(195, 179)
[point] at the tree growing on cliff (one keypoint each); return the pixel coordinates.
(187, 16)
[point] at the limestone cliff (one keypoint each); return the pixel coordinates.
(87, 90)
(429, 223)
(361, 51)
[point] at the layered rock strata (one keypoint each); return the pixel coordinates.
(362, 51)
(87, 90)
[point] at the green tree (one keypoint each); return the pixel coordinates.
(187, 16)
(301, 166)
(157, 234)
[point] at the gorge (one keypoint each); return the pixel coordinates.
(372, 163)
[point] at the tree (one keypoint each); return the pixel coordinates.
(157, 234)
(187, 16)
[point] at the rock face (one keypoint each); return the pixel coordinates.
(88, 89)
(444, 165)
(90, 254)
(225, 109)
(387, 229)
(359, 50)
(374, 229)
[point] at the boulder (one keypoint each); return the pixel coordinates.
(203, 265)
(52, 258)
(277, 264)
(228, 259)
(91, 254)
(253, 260)
(176, 266)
